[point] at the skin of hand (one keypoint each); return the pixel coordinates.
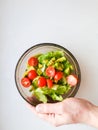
(69, 111)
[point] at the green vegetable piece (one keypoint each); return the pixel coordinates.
(43, 68)
(39, 72)
(56, 97)
(58, 66)
(67, 64)
(63, 81)
(46, 90)
(31, 89)
(51, 62)
(44, 57)
(49, 55)
(35, 82)
(61, 89)
(67, 71)
(55, 86)
(71, 67)
(39, 94)
(40, 65)
(45, 61)
(62, 59)
(58, 54)
(68, 88)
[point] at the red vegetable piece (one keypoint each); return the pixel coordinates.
(58, 75)
(42, 82)
(33, 61)
(32, 74)
(50, 71)
(25, 82)
(49, 83)
(72, 80)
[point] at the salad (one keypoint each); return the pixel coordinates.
(49, 75)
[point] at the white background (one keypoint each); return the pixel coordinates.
(23, 23)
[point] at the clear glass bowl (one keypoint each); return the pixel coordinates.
(43, 48)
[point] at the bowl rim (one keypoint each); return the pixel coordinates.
(48, 44)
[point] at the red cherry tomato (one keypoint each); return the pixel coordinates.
(25, 82)
(33, 61)
(50, 71)
(32, 74)
(42, 82)
(58, 75)
(49, 83)
(72, 80)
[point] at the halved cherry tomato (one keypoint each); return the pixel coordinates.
(72, 80)
(25, 82)
(50, 71)
(58, 75)
(42, 82)
(33, 61)
(49, 83)
(32, 74)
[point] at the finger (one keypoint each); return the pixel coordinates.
(47, 117)
(54, 119)
(49, 108)
(50, 118)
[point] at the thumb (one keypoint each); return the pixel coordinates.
(49, 108)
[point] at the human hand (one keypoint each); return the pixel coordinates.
(71, 110)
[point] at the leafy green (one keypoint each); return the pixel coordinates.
(58, 54)
(54, 96)
(67, 71)
(45, 57)
(35, 82)
(61, 59)
(40, 95)
(55, 92)
(58, 66)
(51, 62)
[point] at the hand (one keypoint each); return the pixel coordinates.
(71, 110)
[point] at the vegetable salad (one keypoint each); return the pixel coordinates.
(49, 75)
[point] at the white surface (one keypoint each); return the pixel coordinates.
(23, 23)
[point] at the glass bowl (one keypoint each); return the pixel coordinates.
(43, 48)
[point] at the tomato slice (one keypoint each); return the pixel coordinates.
(33, 61)
(25, 82)
(50, 71)
(58, 75)
(32, 74)
(42, 82)
(49, 83)
(72, 80)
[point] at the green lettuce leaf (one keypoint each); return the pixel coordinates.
(40, 95)
(56, 97)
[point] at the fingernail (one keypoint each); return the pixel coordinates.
(38, 108)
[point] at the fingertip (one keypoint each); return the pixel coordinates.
(39, 108)
(47, 108)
